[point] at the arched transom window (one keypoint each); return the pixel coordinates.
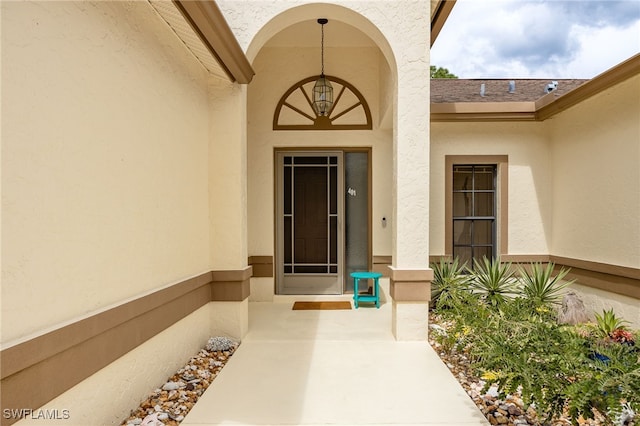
(295, 111)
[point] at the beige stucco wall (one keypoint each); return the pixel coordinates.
(228, 175)
(104, 160)
(597, 301)
(108, 396)
(529, 194)
(595, 151)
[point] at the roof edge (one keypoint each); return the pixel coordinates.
(545, 107)
(208, 22)
(596, 85)
(440, 17)
(484, 111)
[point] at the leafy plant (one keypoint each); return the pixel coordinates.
(608, 322)
(604, 381)
(493, 280)
(439, 72)
(540, 287)
(449, 286)
(561, 369)
(524, 350)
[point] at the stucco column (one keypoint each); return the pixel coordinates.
(410, 276)
(228, 208)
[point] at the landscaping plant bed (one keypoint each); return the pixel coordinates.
(524, 350)
(170, 403)
(509, 410)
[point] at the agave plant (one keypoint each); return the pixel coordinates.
(450, 284)
(493, 280)
(540, 287)
(608, 322)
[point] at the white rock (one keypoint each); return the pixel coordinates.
(438, 329)
(169, 386)
(626, 416)
(493, 391)
(151, 420)
(220, 344)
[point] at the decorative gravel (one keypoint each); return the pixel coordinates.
(509, 411)
(170, 403)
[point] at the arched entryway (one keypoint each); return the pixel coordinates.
(281, 147)
(370, 45)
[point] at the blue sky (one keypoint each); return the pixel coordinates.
(537, 38)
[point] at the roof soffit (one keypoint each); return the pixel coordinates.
(202, 28)
(440, 10)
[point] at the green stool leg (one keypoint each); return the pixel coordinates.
(376, 293)
(355, 292)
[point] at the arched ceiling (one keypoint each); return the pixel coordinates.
(307, 34)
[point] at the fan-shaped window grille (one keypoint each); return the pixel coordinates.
(295, 111)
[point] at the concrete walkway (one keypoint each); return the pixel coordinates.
(331, 367)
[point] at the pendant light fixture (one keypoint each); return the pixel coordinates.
(322, 90)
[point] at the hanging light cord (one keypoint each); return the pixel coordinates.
(322, 51)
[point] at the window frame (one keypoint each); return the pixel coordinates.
(502, 190)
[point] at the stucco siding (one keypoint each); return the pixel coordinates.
(596, 196)
(104, 160)
(529, 197)
(108, 396)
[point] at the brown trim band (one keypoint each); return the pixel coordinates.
(39, 369)
(410, 285)
(604, 268)
(262, 266)
(616, 279)
(513, 258)
(381, 264)
(230, 285)
(621, 280)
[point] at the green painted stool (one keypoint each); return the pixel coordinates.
(375, 297)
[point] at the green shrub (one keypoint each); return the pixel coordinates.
(540, 287)
(608, 322)
(609, 377)
(528, 351)
(450, 286)
(493, 280)
(513, 340)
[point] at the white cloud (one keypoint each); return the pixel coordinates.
(601, 49)
(537, 39)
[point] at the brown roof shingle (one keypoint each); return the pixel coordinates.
(450, 90)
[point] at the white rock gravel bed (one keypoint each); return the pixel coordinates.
(170, 403)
